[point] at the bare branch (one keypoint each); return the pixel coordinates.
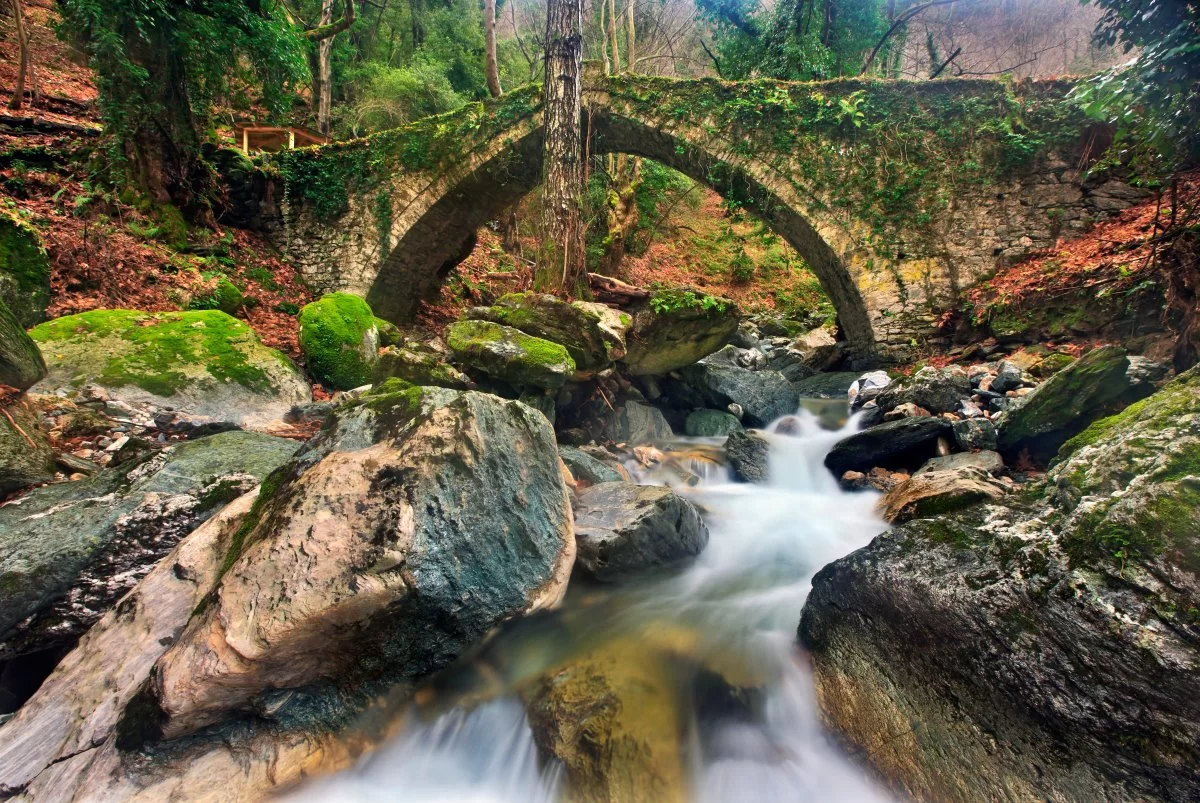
(899, 23)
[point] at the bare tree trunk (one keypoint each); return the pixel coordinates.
(626, 176)
(611, 32)
(18, 97)
(325, 71)
(630, 60)
(562, 266)
(489, 39)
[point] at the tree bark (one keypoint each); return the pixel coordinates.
(18, 98)
(562, 266)
(325, 70)
(489, 40)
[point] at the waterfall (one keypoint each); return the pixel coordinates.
(744, 595)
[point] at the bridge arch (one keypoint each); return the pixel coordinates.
(414, 197)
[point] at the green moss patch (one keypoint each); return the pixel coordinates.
(339, 339)
(509, 354)
(24, 270)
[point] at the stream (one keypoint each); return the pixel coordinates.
(733, 613)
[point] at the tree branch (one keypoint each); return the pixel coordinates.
(716, 62)
(945, 64)
(333, 28)
(899, 23)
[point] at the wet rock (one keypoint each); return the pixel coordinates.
(587, 468)
(762, 395)
(591, 336)
(748, 454)
(711, 424)
(636, 423)
(827, 385)
(362, 563)
(975, 433)
(790, 363)
(204, 361)
(509, 355)
(988, 461)
(70, 550)
(933, 492)
(623, 530)
(1008, 377)
(26, 458)
(1065, 403)
(675, 329)
(1035, 647)
(21, 364)
(893, 444)
(939, 390)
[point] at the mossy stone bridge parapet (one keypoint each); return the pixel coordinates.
(897, 194)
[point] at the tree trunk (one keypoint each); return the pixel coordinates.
(325, 71)
(626, 174)
(489, 40)
(611, 32)
(562, 266)
(629, 38)
(18, 97)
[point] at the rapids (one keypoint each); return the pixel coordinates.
(739, 603)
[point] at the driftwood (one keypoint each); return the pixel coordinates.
(615, 291)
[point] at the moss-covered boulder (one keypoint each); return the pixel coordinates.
(204, 363)
(25, 455)
(676, 328)
(218, 293)
(340, 340)
(576, 328)
(1066, 403)
(21, 363)
(24, 270)
(509, 355)
(1044, 646)
(419, 364)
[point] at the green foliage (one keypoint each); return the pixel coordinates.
(667, 301)
(1155, 101)
(223, 295)
(393, 96)
(741, 269)
(334, 336)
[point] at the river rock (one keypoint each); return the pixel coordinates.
(24, 272)
(419, 364)
(762, 395)
(826, 385)
(68, 551)
(203, 362)
(1008, 377)
(25, 455)
(591, 337)
(892, 444)
(748, 454)
(509, 355)
(711, 424)
(587, 468)
(363, 562)
(986, 460)
(636, 423)
(1043, 646)
(340, 340)
(623, 530)
(867, 387)
(939, 490)
(675, 328)
(21, 363)
(1065, 403)
(975, 433)
(939, 390)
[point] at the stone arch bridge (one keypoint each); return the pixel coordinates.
(899, 195)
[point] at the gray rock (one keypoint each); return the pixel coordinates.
(939, 390)
(748, 454)
(585, 467)
(720, 381)
(675, 329)
(68, 551)
(867, 387)
(989, 461)
(893, 444)
(826, 385)
(21, 364)
(636, 423)
(26, 458)
(1008, 377)
(622, 530)
(975, 433)
(711, 424)
(1023, 642)
(933, 493)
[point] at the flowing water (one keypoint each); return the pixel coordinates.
(732, 615)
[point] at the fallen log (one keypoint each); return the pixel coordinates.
(611, 290)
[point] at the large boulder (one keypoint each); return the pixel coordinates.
(720, 381)
(585, 330)
(419, 364)
(929, 493)
(1066, 403)
(711, 424)
(636, 423)
(623, 530)
(906, 442)
(939, 390)
(24, 270)
(675, 328)
(826, 385)
(509, 355)
(339, 339)
(1041, 647)
(68, 551)
(416, 522)
(21, 363)
(25, 455)
(204, 362)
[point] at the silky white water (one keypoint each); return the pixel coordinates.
(743, 596)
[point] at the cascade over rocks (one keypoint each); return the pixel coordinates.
(719, 381)
(748, 454)
(417, 521)
(623, 530)
(203, 361)
(1043, 646)
(69, 551)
